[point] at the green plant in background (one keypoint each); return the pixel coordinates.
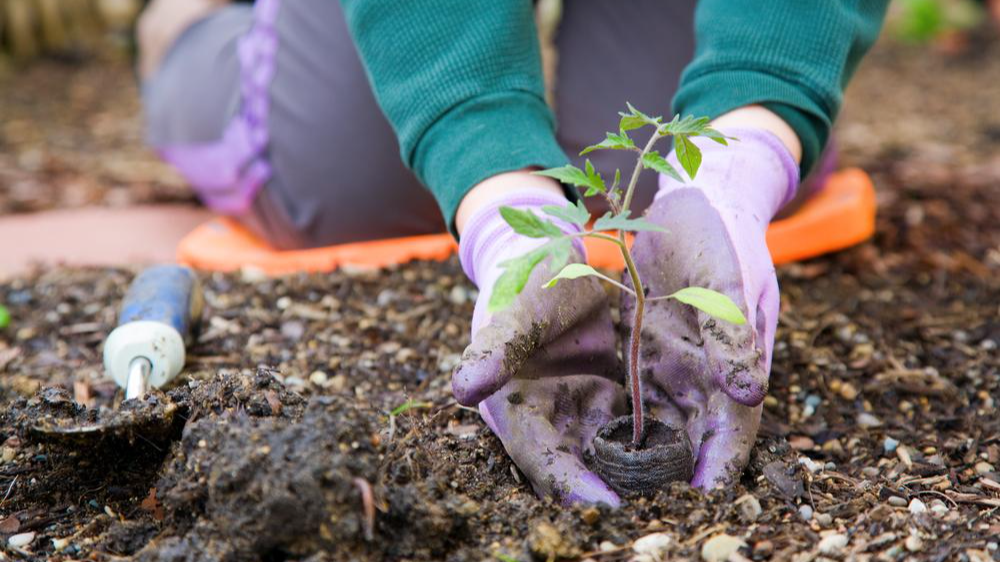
(4, 317)
(922, 21)
(612, 227)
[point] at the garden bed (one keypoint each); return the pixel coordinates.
(315, 419)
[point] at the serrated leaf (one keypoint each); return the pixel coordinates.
(612, 142)
(574, 214)
(712, 303)
(567, 174)
(635, 119)
(513, 279)
(572, 271)
(688, 154)
(717, 136)
(595, 183)
(527, 223)
(689, 125)
(559, 251)
(622, 222)
(654, 161)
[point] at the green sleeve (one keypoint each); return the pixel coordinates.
(461, 83)
(794, 57)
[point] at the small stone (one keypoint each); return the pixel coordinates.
(643, 558)
(8, 454)
(870, 472)
(830, 466)
(750, 508)
(868, 421)
(338, 383)
(60, 544)
(806, 512)
(889, 445)
(763, 549)
(458, 295)
(21, 540)
(917, 507)
(318, 378)
(913, 543)
(607, 546)
(824, 519)
(897, 501)
(801, 442)
(283, 303)
(654, 545)
(720, 547)
(983, 467)
(251, 274)
(848, 392)
(939, 509)
(591, 515)
(810, 465)
(770, 402)
(548, 543)
(833, 544)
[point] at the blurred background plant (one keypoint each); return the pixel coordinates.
(941, 22)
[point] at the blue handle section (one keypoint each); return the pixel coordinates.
(169, 294)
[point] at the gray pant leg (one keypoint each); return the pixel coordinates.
(196, 91)
(610, 53)
(337, 170)
(337, 173)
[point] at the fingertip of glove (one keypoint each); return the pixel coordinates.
(748, 393)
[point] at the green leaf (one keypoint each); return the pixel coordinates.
(513, 279)
(688, 154)
(567, 174)
(574, 214)
(622, 222)
(4, 317)
(572, 271)
(505, 558)
(528, 224)
(654, 161)
(618, 179)
(635, 119)
(409, 405)
(712, 303)
(595, 182)
(612, 142)
(717, 136)
(575, 176)
(559, 250)
(689, 125)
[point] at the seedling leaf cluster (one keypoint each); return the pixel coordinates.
(612, 227)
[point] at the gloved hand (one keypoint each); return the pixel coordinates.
(698, 372)
(542, 371)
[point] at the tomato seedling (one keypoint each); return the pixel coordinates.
(613, 227)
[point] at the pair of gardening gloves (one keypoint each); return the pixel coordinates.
(545, 372)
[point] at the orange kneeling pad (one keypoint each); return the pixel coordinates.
(840, 216)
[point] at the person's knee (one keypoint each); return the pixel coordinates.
(161, 23)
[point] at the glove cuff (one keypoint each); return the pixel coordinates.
(488, 240)
(756, 172)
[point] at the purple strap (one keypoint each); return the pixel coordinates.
(228, 173)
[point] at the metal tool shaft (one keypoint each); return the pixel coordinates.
(138, 378)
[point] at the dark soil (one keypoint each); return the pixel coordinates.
(881, 424)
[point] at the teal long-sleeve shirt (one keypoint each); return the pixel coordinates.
(461, 81)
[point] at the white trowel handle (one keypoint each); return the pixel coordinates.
(147, 348)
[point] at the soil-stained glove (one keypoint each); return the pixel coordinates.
(543, 370)
(699, 372)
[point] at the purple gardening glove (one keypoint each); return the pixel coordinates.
(699, 372)
(543, 370)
